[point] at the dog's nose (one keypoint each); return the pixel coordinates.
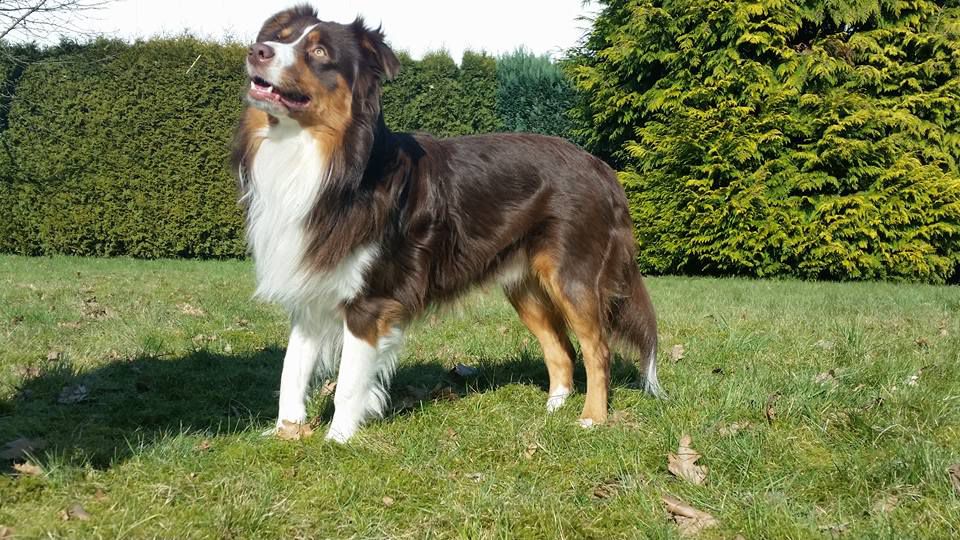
(260, 52)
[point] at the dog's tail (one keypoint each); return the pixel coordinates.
(634, 327)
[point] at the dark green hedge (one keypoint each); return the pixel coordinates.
(118, 149)
(534, 95)
(436, 96)
(121, 149)
(816, 139)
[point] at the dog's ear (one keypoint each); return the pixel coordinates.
(375, 50)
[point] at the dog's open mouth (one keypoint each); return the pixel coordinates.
(261, 90)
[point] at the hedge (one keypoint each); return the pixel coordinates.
(121, 149)
(813, 139)
(534, 95)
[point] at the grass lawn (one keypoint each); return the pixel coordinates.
(819, 408)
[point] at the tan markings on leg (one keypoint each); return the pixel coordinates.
(582, 316)
(374, 319)
(541, 317)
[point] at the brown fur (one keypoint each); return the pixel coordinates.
(448, 214)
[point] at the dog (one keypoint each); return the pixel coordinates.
(356, 230)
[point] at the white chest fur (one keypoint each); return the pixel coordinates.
(286, 177)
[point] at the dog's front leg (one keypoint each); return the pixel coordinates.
(357, 387)
(372, 337)
(299, 362)
(361, 392)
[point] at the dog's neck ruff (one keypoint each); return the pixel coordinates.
(287, 174)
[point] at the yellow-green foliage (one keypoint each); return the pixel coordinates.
(815, 139)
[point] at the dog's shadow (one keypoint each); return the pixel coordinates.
(100, 417)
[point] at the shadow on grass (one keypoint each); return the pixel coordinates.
(100, 416)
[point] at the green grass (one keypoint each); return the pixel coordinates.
(167, 442)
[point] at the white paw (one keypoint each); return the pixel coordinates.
(340, 434)
(585, 423)
(555, 402)
(557, 398)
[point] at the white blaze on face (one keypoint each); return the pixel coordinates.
(285, 56)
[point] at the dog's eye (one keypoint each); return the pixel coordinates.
(320, 52)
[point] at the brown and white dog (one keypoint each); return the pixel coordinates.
(355, 229)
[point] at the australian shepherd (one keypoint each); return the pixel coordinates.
(356, 230)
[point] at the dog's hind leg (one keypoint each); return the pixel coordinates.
(541, 317)
(580, 303)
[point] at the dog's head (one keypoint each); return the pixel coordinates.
(314, 71)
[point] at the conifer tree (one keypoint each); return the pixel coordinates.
(817, 139)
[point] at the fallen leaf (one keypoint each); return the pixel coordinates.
(6, 532)
(444, 393)
(476, 477)
(683, 463)
(292, 431)
(19, 448)
(769, 411)
(826, 376)
(530, 450)
(824, 344)
(193, 311)
(93, 309)
(730, 430)
(677, 353)
(690, 520)
(606, 490)
(388, 501)
(836, 529)
(54, 356)
(954, 472)
(464, 371)
(329, 388)
(73, 394)
(623, 418)
(70, 325)
(885, 505)
(28, 372)
(75, 512)
(27, 469)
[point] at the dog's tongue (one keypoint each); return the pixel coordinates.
(266, 93)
